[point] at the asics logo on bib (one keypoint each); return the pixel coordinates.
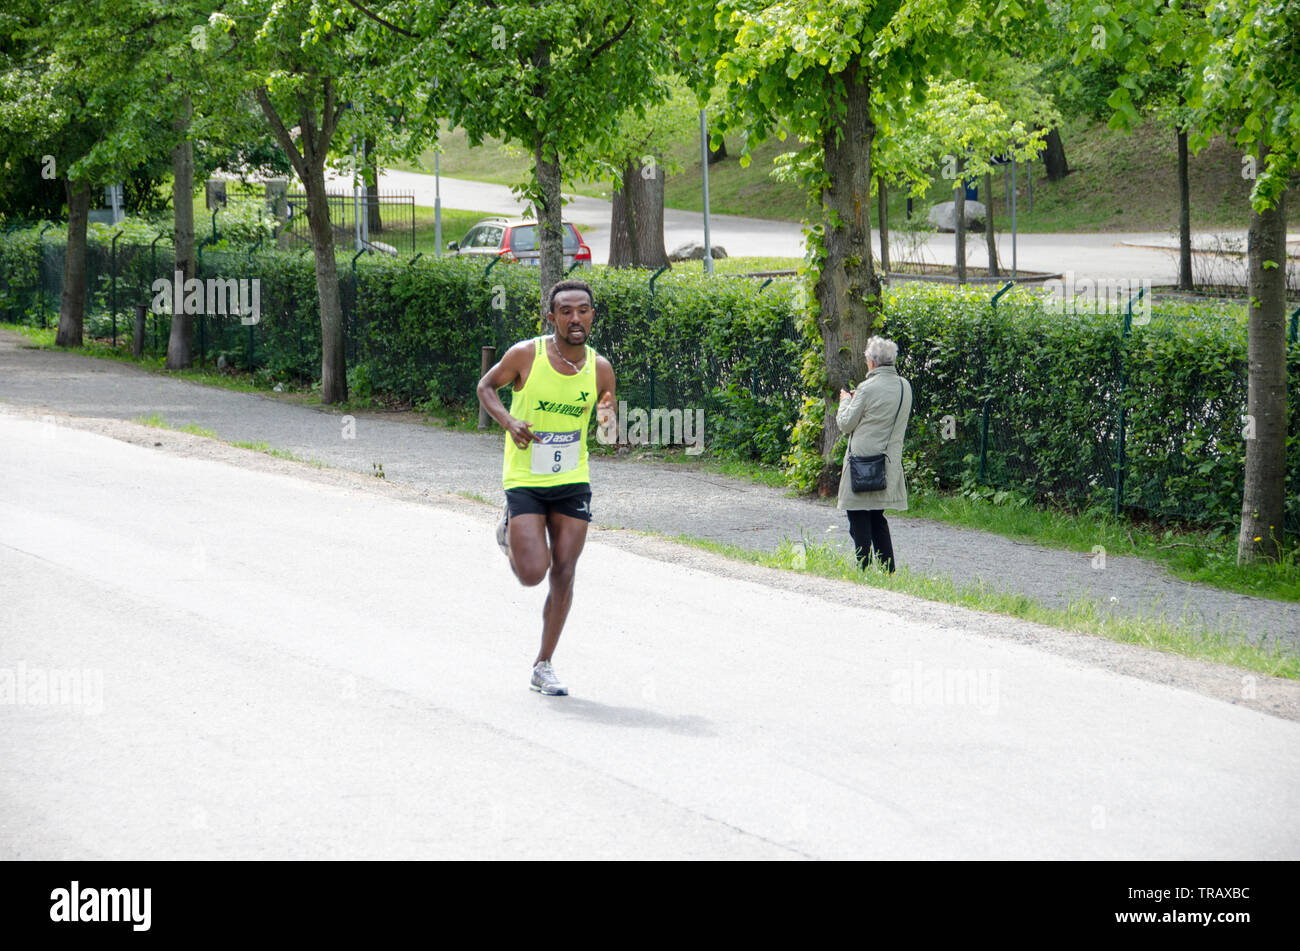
(566, 409)
(547, 438)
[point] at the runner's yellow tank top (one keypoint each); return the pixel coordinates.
(559, 406)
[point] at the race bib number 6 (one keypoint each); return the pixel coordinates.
(557, 452)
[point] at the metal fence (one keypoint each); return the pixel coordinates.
(385, 221)
(1096, 460)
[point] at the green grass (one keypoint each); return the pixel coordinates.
(43, 339)
(1118, 181)
(278, 453)
(455, 222)
(1083, 615)
(158, 422)
(746, 265)
(1204, 556)
(462, 418)
(195, 430)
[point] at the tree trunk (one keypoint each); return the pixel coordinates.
(848, 288)
(72, 306)
(1264, 499)
(309, 163)
(550, 237)
(959, 223)
(990, 233)
(333, 359)
(1054, 157)
(882, 207)
(180, 343)
(636, 236)
(1184, 217)
(718, 154)
(370, 173)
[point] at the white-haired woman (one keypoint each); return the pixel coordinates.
(874, 416)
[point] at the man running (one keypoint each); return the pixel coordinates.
(548, 493)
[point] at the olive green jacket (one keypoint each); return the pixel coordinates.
(869, 419)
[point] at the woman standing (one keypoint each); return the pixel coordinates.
(874, 416)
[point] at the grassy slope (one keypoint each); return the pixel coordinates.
(1118, 182)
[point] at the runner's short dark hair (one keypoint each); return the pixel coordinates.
(572, 284)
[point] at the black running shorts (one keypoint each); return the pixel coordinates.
(573, 500)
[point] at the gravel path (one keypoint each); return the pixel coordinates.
(629, 494)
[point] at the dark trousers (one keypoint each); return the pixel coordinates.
(870, 534)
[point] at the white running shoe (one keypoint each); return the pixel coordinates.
(503, 536)
(545, 681)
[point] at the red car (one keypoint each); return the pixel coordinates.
(516, 240)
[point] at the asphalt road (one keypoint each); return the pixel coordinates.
(277, 661)
(1130, 255)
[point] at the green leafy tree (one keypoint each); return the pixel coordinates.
(636, 161)
(1139, 56)
(1241, 81)
(815, 70)
(961, 130)
(59, 90)
(1246, 84)
(550, 76)
(306, 64)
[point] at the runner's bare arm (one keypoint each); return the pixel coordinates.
(510, 370)
(605, 414)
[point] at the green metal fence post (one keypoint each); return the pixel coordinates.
(498, 320)
(356, 296)
(1294, 335)
(153, 275)
(198, 275)
(986, 408)
(40, 268)
(1005, 287)
(252, 340)
(112, 292)
(984, 442)
(654, 311)
(1121, 458)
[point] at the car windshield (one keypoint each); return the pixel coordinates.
(524, 238)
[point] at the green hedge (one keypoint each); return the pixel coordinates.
(1050, 385)
(1034, 397)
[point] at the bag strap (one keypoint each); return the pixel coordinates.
(895, 422)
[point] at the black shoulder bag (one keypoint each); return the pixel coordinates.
(867, 473)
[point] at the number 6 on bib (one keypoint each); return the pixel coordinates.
(556, 452)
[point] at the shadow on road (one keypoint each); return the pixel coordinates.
(634, 717)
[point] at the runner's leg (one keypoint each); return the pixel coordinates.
(530, 556)
(568, 535)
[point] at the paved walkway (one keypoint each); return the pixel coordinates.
(661, 498)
